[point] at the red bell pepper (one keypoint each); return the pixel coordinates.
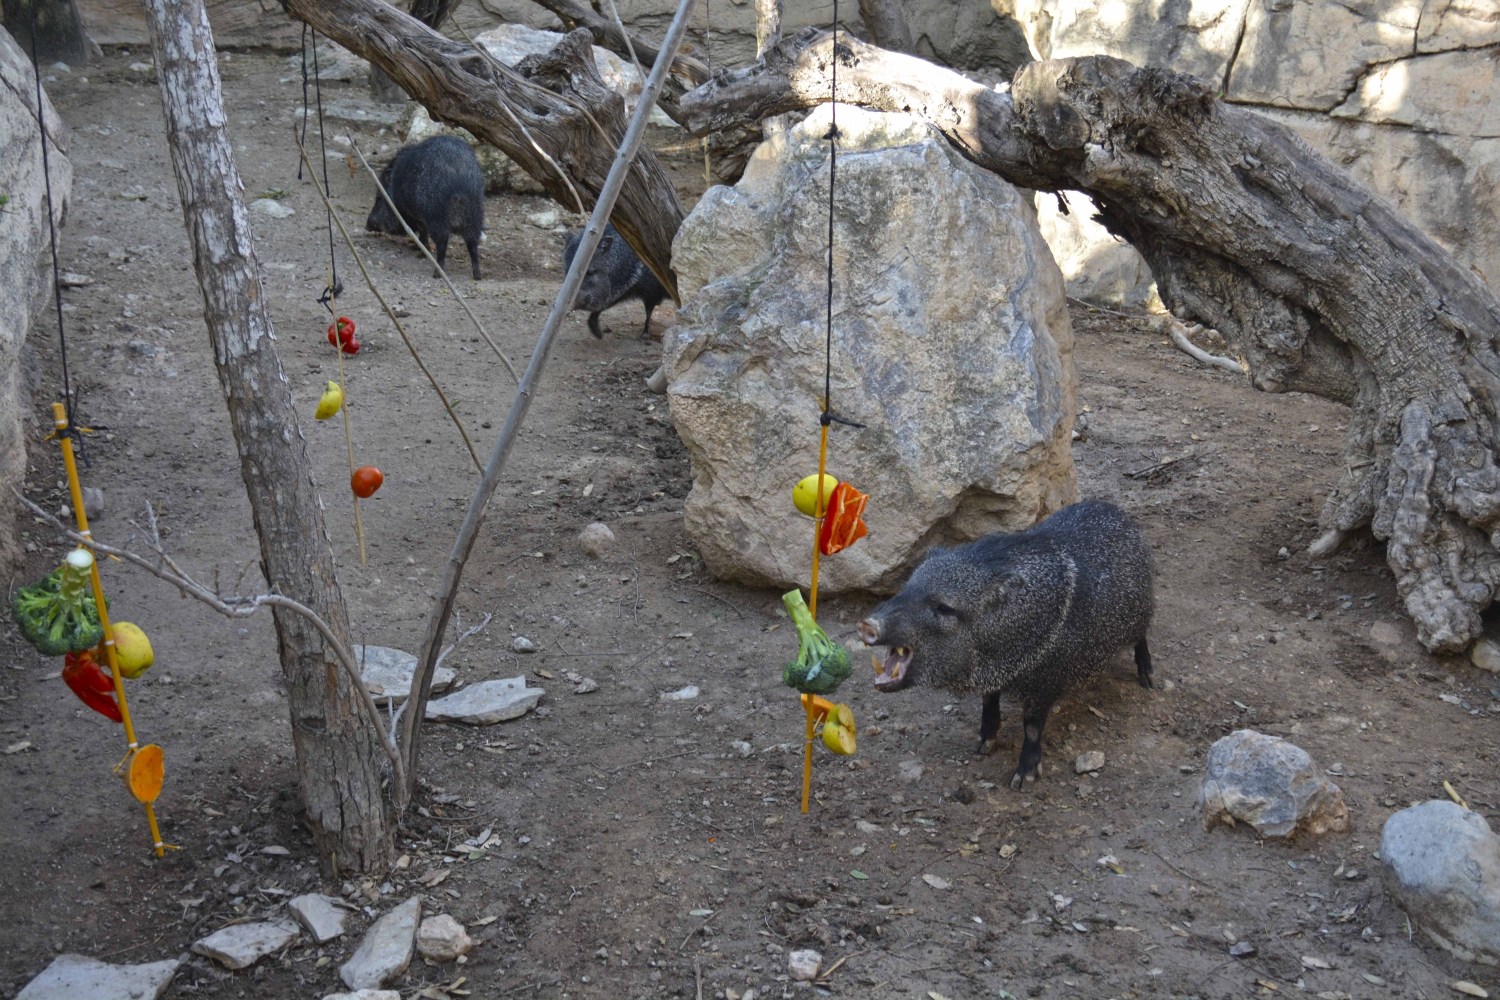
(844, 523)
(340, 332)
(93, 686)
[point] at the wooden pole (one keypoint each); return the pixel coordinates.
(442, 610)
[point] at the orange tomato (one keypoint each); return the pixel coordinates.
(365, 481)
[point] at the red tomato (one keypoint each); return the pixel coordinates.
(365, 481)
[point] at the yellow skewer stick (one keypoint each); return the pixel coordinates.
(60, 419)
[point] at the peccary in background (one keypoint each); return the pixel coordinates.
(615, 274)
(1027, 614)
(438, 189)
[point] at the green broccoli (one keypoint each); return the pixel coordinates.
(821, 664)
(58, 615)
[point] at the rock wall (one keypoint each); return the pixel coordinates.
(1402, 93)
(951, 344)
(23, 248)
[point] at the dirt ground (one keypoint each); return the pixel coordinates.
(636, 844)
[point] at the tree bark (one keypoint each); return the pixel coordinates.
(459, 86)
(1324, 287)
(767, 25)
(340, 763)
(607, 35)
(431, 13)
(885, 20)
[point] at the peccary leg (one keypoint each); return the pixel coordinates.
(1143, 664)
(594, 326)
(989, 723)
(1031, 748)
(646, 330)
(473, 245)
(440, 239)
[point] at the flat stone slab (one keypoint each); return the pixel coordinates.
(71, 977)
(239, 946)
(386, 950)
(486, 703)
(320, 914)
(391, 670)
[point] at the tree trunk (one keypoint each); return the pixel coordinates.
(607, 35)
(339, 760)
(1324, 287)
(767, 25)
(431, 13)
(59, 30)
(458, 86)
(885, 20)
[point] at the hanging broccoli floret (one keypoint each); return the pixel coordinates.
(821, 664)
(57, 615)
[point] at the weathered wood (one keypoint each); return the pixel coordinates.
(685, 69)
(459, 86)
(1323, 286)
(340, 763)
(767, 25)
(431, 13)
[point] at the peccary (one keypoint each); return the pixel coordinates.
(615, 274)
(1027, 614)
(438, 188)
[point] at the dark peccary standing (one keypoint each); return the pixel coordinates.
(1027, 614)
(615, 274)
(439, 189)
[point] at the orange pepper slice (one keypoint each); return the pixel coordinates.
(844, 524)
(146, 773)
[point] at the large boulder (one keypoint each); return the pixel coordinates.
(1443, 867)
(951, 345)
(1272, 785)
(25, 268)
(1400, 95)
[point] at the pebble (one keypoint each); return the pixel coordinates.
(272, 207)
(743, 748)
(1270, 784)
(93, 502)
(1442, 866)
(1386, 634)
(386, 949)
(1485, 655)
(910, 770)
(681, 694)
(71, 977)
(596, 539)
(586, 686)
(1091, 760)
(321, 915)
(240, 946)
(442, 939)
(1242, 949)
(521, 644)
(803, 965)
(544, 219)
(365, 995)
(487, 702)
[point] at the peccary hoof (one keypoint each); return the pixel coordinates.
(1019, 779)
(986, 747)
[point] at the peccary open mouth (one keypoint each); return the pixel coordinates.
(891, 675)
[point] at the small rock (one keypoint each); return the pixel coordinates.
(910, 770)
(93, 502)
(321, 915)
(657, 383)
(521, 644)
(1442, 865)
(1242, 949)
(1386, 634)
(937, 881)
(543, 220)
(71, 977)
(275, 851)
(386, 950)
(392, 671)
(1091, 760)
(1271, 784)
(803, 965)
(743, 748)
(1485, 655)
(365, 995)
(442, 939)
(487, 702)
(1283, 553)
(272, 207)
(596, 539)
(139, 67)
(681, 694)
(72, 279)
(239, 946)
(586, 686)
(865, 826)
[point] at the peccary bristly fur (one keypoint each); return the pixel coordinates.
(439, 189)
(1027, 614)
(615, 274)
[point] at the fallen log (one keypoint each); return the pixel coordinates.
(1320, 285)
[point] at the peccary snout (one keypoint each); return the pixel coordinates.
(615, 274)
(438, 188)
(1028, 614)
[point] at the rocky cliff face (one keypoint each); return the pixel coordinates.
(1399, 92)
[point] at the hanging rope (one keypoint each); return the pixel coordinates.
(335, 287)
(62, 337)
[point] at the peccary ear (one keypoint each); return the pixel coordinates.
(1006, 587)
(605, 242)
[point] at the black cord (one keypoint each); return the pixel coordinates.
(62, 336)
(336, 289)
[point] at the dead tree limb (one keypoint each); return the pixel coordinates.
(609, 35)
(1320, 285)
(767, 25)
(459, 87)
